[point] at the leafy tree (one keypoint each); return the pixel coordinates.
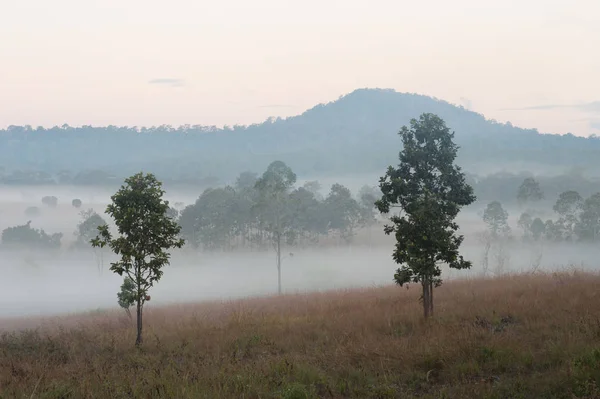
(126, 297)
(276, 220)
(496, 218)
(588, 228)
(173, 213)
(568, 206)
(429, 189)
(344, 213)
(524, 223)
(209, 221)
(314, 187)
(27, 236)
(87, 229)
(529, 190)
(76, 203)
(146, 233)
(309, 221)
(367, 196)
(50, 201)
(537, 228)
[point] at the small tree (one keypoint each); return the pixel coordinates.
(126, 297)
(429, 190)
(76, 203)
(145, 235)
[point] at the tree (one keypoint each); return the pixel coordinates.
(588, 228)
(50, 201)
(126, 297)
(76, 203)
(568, 206)
(496, 218)
(28, 237)
(524, 223)
(529, 190)
(343, 212)
(429, 189)
(87, 230)
(537, 228)
(146, 233)
(273, 207)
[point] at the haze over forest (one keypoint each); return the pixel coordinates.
(345, 145)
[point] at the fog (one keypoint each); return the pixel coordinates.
(38, 283)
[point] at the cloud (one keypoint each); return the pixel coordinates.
(595, 124)
(593, 106)
(167, 81)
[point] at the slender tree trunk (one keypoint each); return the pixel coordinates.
(426, 286)
(430, 297)
(138, 340)
(279, 263)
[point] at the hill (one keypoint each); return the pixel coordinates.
(528, 336)
(355, 134)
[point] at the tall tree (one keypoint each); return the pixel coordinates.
(568, 206)
(588, 228)
(146, 233)
(273, 207)
(429, 189)
(343, 211)
(496, 218)
(529, 190)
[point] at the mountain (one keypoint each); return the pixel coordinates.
(355, 134)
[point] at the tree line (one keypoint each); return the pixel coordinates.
(576, 218)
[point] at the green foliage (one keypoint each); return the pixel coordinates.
(146, 233)
(343, 211)
(429, 189)
(87, 229)
(529, 190)
(496, 218)
(126, 298)
(27, 236)
(568, 206)
(588, 228)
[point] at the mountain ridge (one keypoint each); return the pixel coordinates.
(357, 133)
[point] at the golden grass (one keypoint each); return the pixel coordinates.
(526, 336)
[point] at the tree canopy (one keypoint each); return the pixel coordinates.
(429, 189)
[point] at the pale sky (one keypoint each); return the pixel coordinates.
(239, 61)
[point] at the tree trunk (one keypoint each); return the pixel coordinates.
(430, 298)
(279, 263)
(426, 286)
(138, 340)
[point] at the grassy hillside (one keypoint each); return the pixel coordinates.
(528, 336)
(355, 134)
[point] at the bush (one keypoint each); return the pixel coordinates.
(50, 201)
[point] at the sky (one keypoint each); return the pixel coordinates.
(534, 63)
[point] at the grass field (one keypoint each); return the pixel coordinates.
(524, 336)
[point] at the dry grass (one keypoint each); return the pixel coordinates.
(512, 337)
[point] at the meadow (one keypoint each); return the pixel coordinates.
(516, 336)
